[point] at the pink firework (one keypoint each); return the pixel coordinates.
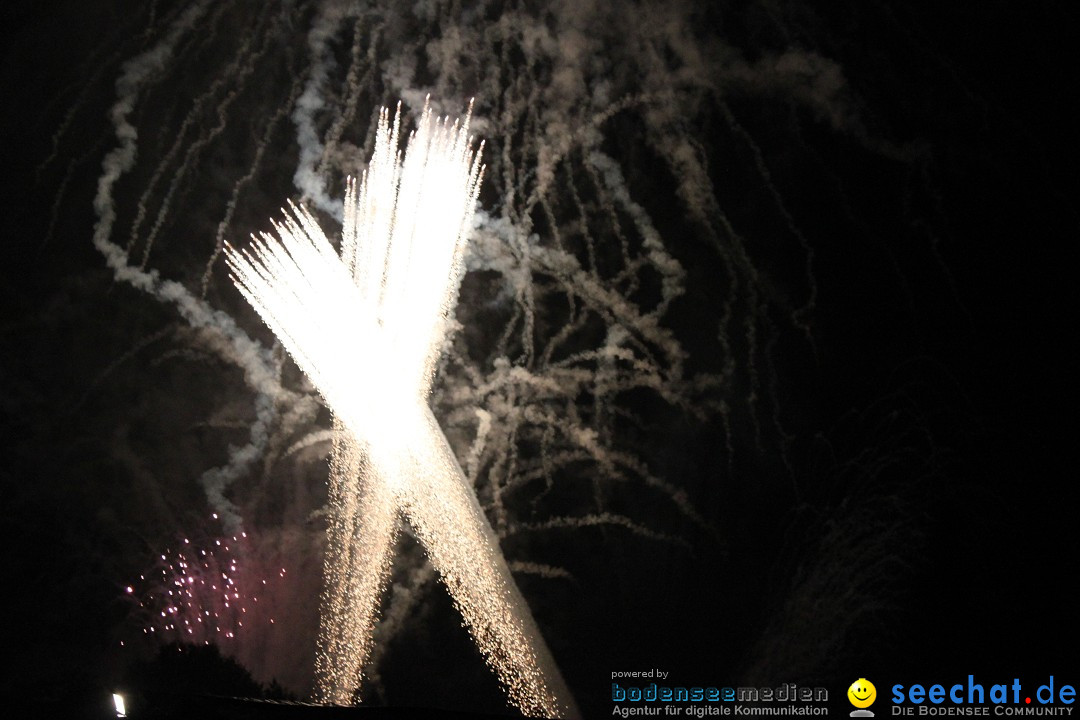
(202, 592)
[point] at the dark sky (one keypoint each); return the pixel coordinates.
(870, 404)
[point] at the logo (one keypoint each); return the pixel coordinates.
(862, 694)
(974, 698)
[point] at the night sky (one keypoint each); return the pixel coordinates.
(830, 242)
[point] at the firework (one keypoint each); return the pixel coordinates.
(202, 592)
(367, 327)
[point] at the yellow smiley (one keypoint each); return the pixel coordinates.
(862, 693)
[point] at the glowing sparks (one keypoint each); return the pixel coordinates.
(367, 328)
(197, 594)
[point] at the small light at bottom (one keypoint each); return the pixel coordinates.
(118, 701)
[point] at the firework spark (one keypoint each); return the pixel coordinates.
(367, 327)
(201, 592)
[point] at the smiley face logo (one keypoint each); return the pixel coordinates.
(862, 693)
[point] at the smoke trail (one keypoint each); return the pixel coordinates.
(308, 179)
(564, 206)
(256, 362)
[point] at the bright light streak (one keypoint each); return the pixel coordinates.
(118, 703)
(367, 328)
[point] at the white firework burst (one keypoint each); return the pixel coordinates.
(367, 328)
